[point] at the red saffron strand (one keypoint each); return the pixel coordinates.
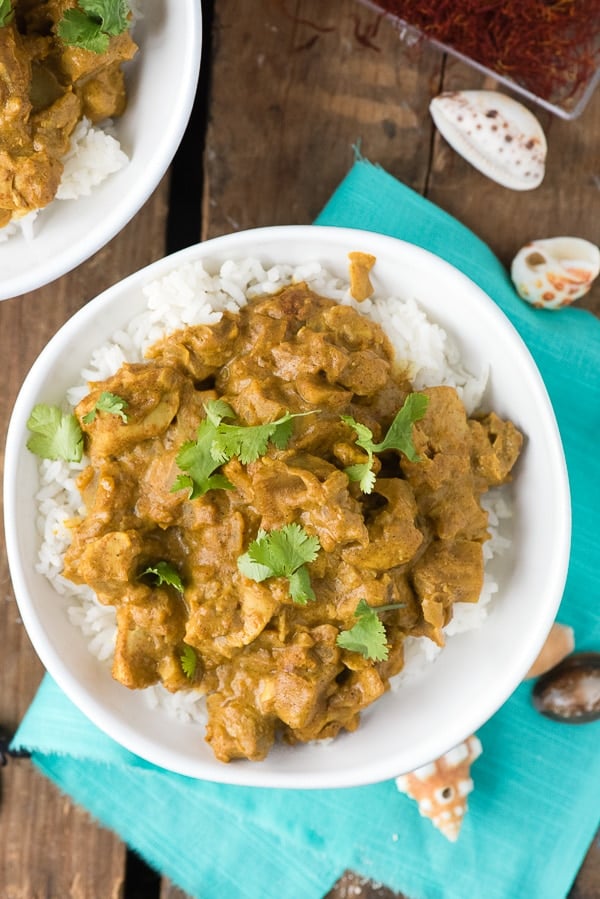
(549, 47)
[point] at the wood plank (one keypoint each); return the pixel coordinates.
(316, 92)
(277, 159)
(48, 847)
(587, 882)
(170, 891)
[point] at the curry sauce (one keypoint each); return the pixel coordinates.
(272, 668)
(46, 88)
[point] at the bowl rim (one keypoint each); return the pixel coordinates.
(111, 224)
(369, 771)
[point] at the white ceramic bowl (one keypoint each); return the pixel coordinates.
(476, 672)
(161, 82)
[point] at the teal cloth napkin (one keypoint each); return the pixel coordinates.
(534, 810)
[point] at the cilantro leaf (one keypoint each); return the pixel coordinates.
(198, 488)
(164, 573)
(189, 661)
(217, 410)
(364, 435)
(300, 587)
(367, 636)
(197, 463)
(113, 14)
(283, 552)
(283, 428)
(248, 442)
(7, 13)
(91, 25)
(107, 402)
(249, 563)
(363, 473)
(54, 434)
(398, 436)
(79, 30)
(285, 549)
(217, 442)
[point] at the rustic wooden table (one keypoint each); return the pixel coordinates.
(287, 88)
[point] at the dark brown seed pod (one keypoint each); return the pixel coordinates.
(570, 692)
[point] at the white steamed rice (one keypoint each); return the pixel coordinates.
(94, 155)
(189, 296)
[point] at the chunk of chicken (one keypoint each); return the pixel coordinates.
(272, 668)
(46, 88)
(152, 396)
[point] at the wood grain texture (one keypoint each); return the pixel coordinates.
(49, 849)
(315, 95)
(169, 891)
(319, 93)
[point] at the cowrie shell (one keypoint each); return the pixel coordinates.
(496, 134)
(555, 272)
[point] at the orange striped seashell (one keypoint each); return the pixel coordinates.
(555, 272)
(441, 788)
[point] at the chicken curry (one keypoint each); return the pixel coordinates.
(397, 531)
(46, 87)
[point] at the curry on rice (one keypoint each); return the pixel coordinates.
(46, 87)
(272, 667)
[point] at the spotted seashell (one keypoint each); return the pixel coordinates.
(553, 273)
(441, 787)
(495, 133)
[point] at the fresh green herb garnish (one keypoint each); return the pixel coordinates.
(196, 460)
(107, 402)
(55, 434)
(250, 441)
(164, 573)
(218, 442)
(362, 471)
(189, 661)
(368, 635)
(7, 13)
(399, 436)
(217, 410)
(282, 553)
(93, 23)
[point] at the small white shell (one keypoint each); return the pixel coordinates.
(553, 273)
(495, 133)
